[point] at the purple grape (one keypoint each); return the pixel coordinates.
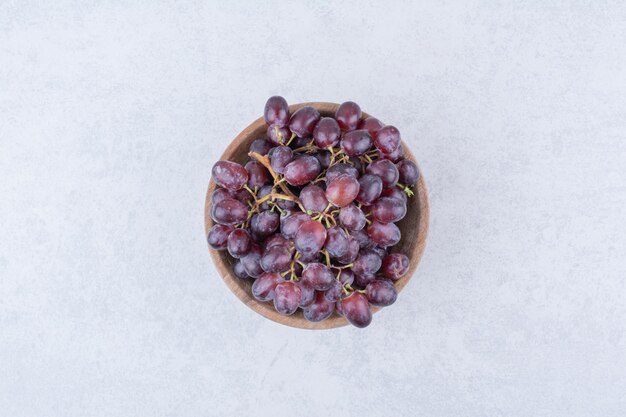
(250, 262)
(307, 294)
(372, 125)
(263, 288)
(384, 235)
(342, 190)
(387, 139)
(240, 271)
(320, 309)
(356, 142)
(310, 237)
(370, 187)
(258, 175)
(326, 133)
(264, 224)
(388, 210)
(394, 192)
(302, 170)
(386, 170)
(313, 198)
(366, 263)
(317, 276)
(381, 293)
(276, 111)
(351, 254)
(356, 309)
(409, 174)
(287, 298)
(229, 175)
(341, 169)
(239, 242)
(348, 115)
(280, 156)
(261, 146)
(334, 292)
(336, 242)
(395, 266)
(218, 236)
(303, 121)
(352, 217)
(276, 259)
(229, 211)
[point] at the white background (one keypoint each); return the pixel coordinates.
(111, 116)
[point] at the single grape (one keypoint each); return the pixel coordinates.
(370, 187)
(356, 309)
(346, 277)
(394, 192)
(366, 263)
(336, 242)
(310, 237)
(351, 253)
(323, 156)
(264, 224)
(239, 241)
(307, 294)
(264, 286)
(320, 309)
(382, 252)
(276, 111)
(287, 296)
(362, 280)
(317, 276)
(326, 133)
(302, 170)
(229, 175)
(308, 257)
(334, 292)
(250, 262)
(386, 170)
(263, 191)
(219, 195)
(394, 156)
(409, 174)
(381, 293)
(340, 169)
(348, 115)
(261, 146)
(395, 266)
(278, 135)
(303, 121)
(239, 270)
(338, 307)
(276, 240)
(289, 224)
(280, 156)
(276, 259)
(372, 125)
(387, 139)
(384, 234)
(352, 218)
(388, 210)
(258, 175)
(356, 142)
(363, 239)
(342, 190)
(218, 236)
(313, 198)
(229, 211)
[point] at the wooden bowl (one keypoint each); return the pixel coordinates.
(414, 229)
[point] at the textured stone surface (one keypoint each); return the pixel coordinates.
(112, 115)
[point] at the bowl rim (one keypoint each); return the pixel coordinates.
(335, 320)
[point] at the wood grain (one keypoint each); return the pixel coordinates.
(414, 229)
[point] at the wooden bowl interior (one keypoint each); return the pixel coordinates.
(414, 229)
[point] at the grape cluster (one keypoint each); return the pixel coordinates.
(310, 217)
